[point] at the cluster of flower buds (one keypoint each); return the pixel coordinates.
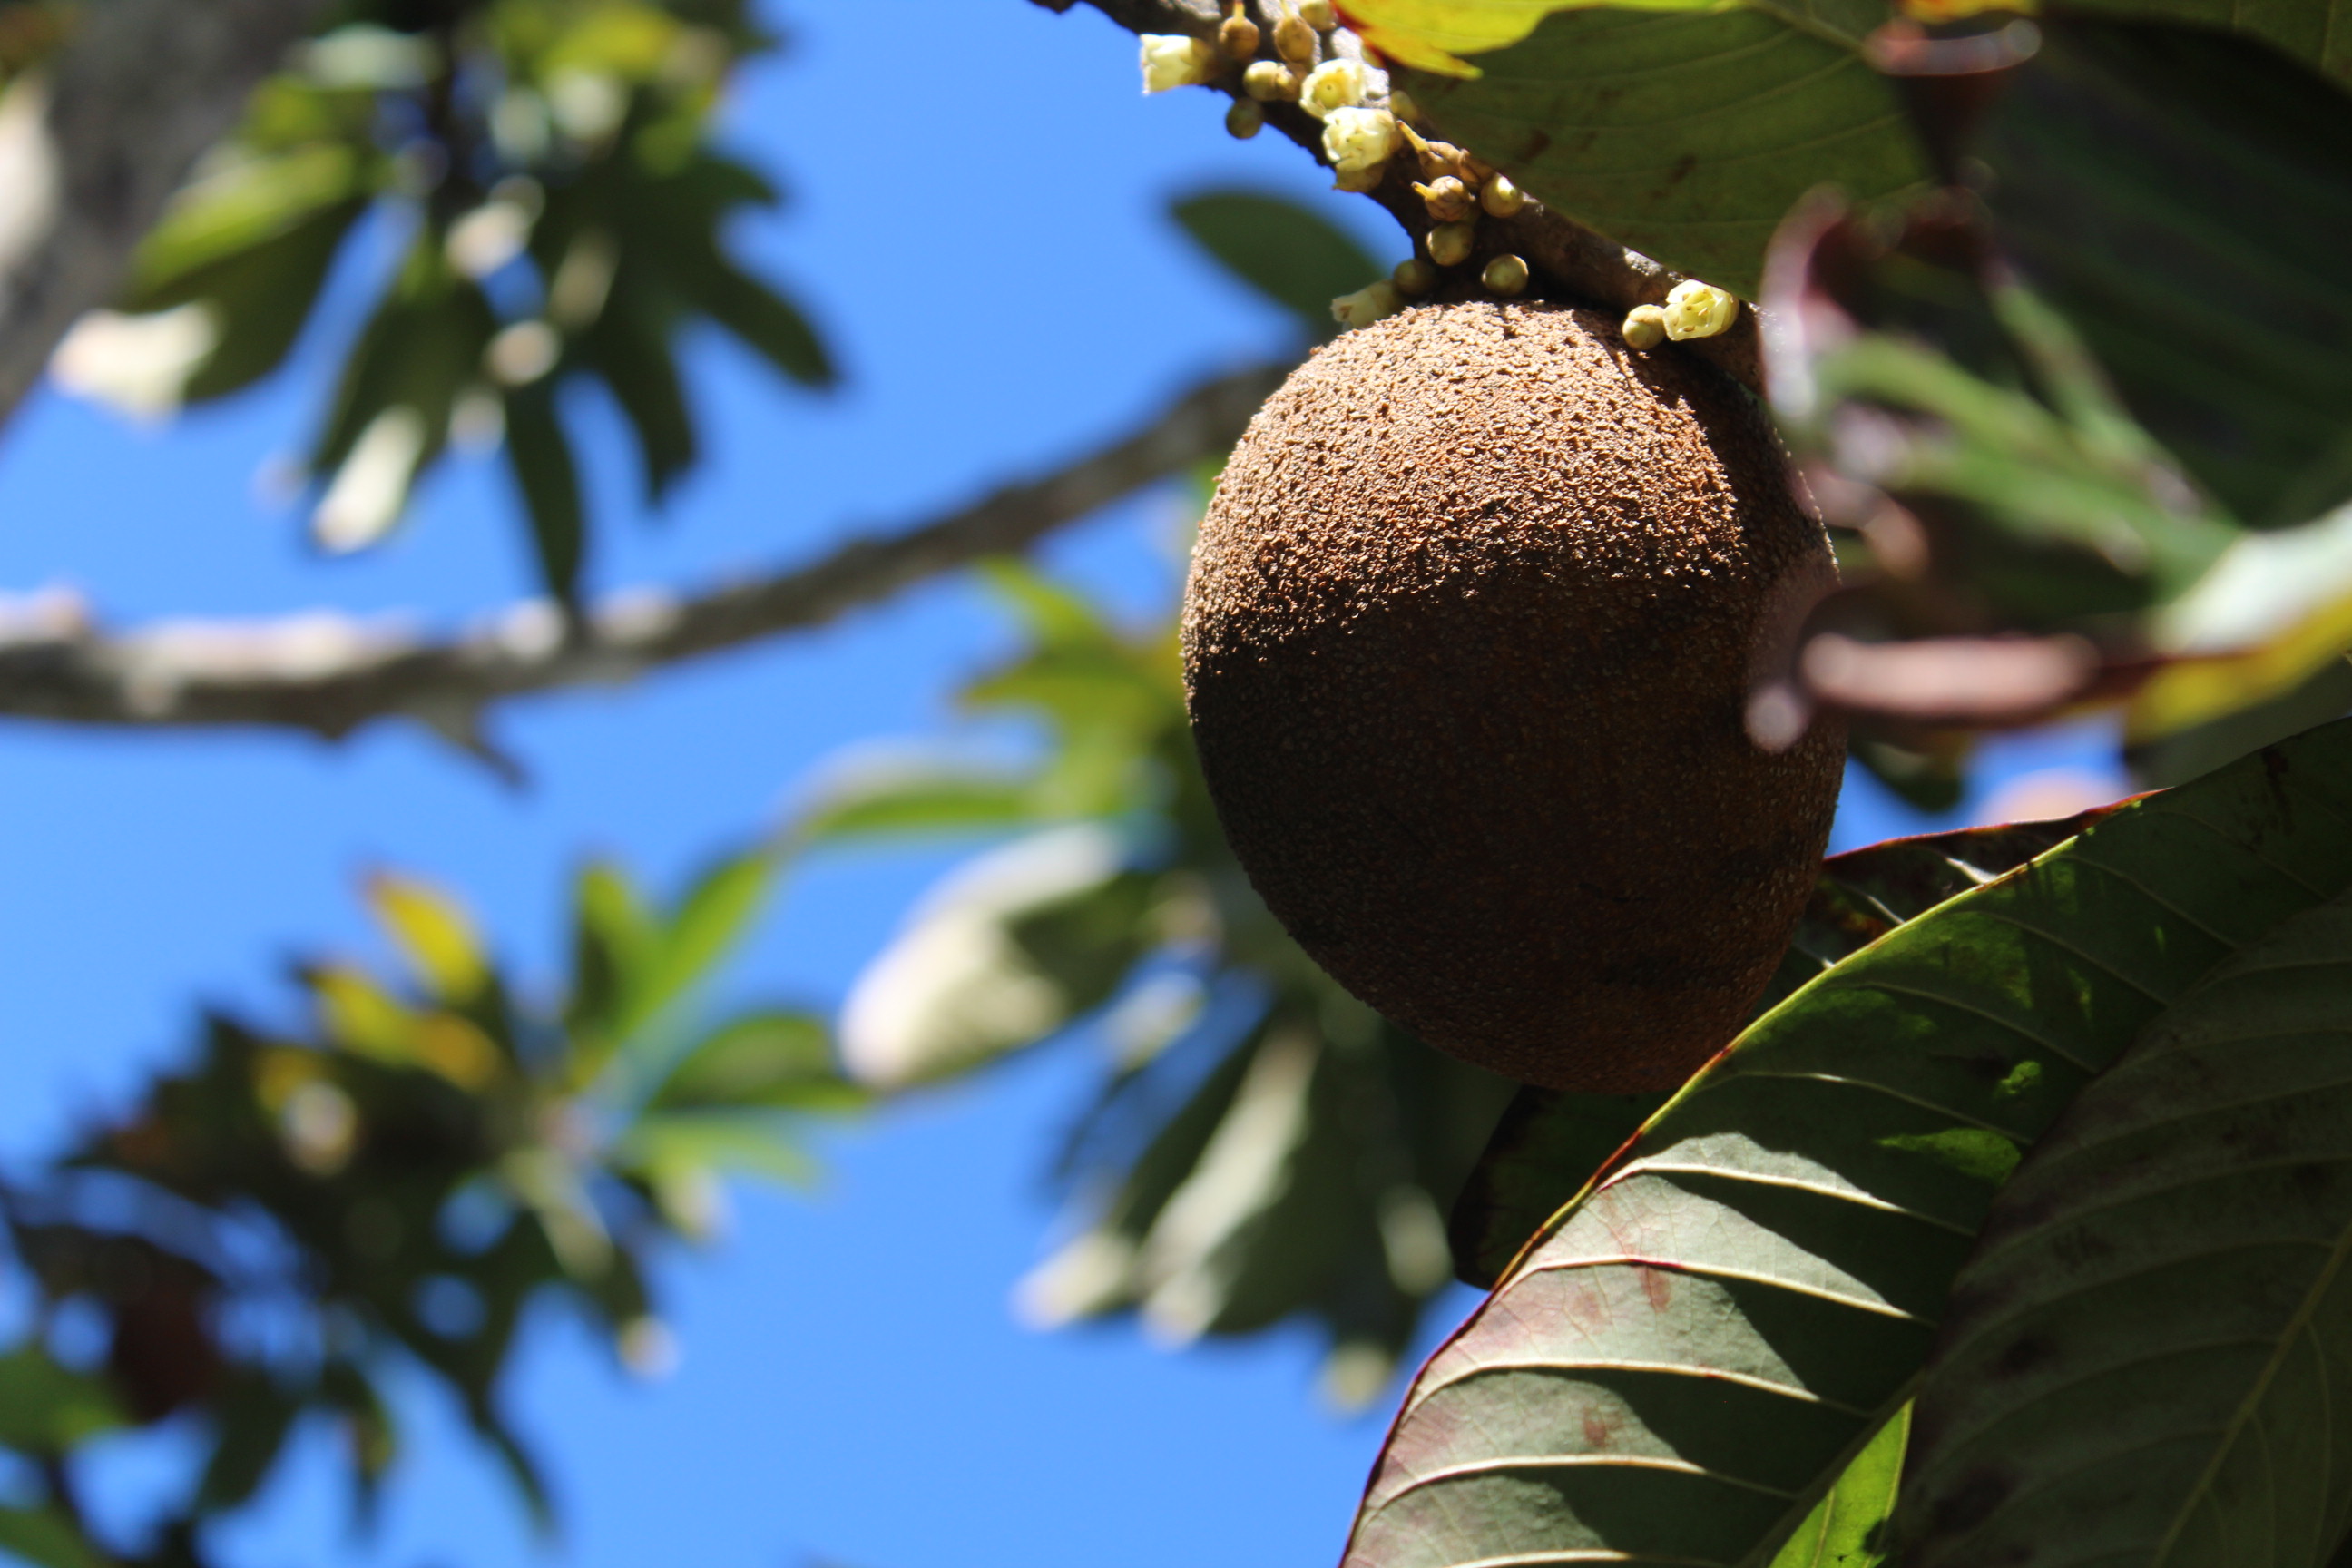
(1361, 131)
(1456, 186)
(1693, 309)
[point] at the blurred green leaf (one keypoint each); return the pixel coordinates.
(771, 1060)
(254, 1420)
(1692, 1355)
(708, 922)
(2176, 194)
(631, 352)
(43, 1536)
(614, 939)
(433, 932)
(755, 1143)
(46, 1409)
(913, 799)
(1294, 256)
(539, 455)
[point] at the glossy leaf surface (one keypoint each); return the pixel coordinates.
(1694, 1353)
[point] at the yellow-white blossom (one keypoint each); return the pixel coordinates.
(1334, 84)
(1171, 60)
(1356, 139)
(1367, 305)
(1696, 310)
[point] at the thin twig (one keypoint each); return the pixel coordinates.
(329, 674)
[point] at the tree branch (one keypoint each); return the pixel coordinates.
(331, 674)
(1568, 261)
(91, 151)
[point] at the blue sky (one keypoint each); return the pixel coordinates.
(979, 224)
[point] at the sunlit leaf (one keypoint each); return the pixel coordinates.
(433, 932)
(1849, 1528)
(776, 1060)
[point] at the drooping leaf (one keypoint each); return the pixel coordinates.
(539, 455)
(2160, 185)
(1297, 259)
(710, 919)
(1691, 1355)
(2145, 1358)
(631, 352)
(1551, 1143)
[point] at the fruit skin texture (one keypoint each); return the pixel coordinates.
(1468, 642)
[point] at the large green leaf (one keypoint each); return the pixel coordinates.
(2181, 196)
(1297, 259)
(1849, 1528)
(2146, 1359)
(1691, 1354)
(1551, 1143)
(1687, 134)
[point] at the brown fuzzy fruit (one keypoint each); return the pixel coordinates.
(1468, 644)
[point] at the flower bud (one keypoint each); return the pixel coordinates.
(1437, 159)
(1334, 84)
(1238, 36)
(1501, 198)
(1294, 41)
(1413, 277)
(1448, 198)
(1367, 305)
(1358, 140)
(1318, 15)
(1696, 310)
(1645, 327)
(1359, 180)
(1270, 81)
(1449, 244)
(1505, 275)
(1402, 105)
(1245, 118)
(1475, 170)
(1171, 60)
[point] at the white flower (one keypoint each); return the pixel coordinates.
(1356, 139)
(1367, 305)
(1696, 310)
(1171, 60)
(1334, 84)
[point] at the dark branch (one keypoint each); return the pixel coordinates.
(90, 155)
(331, 674)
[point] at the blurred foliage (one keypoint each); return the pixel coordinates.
(542, 173)
(390, 1185)
(1262, 1145)
(1295, 257)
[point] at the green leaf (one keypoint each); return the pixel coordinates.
(1550, 1144)
(46, 1538)
(918, 798)
(433, 932)
(631, 351)
(539, 455)
(755, 1143)
(1295, 258)
(713, 916)
(46, 1409)
(1691, 1354)
(1848, 1528)
(614, 938)
(250, 205)
(776, 1060)
(254, 1421)
(1686, 135)
(2145, 1357)
(762, 319)
(2162, 186)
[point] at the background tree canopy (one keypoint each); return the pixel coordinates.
(420, 247)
